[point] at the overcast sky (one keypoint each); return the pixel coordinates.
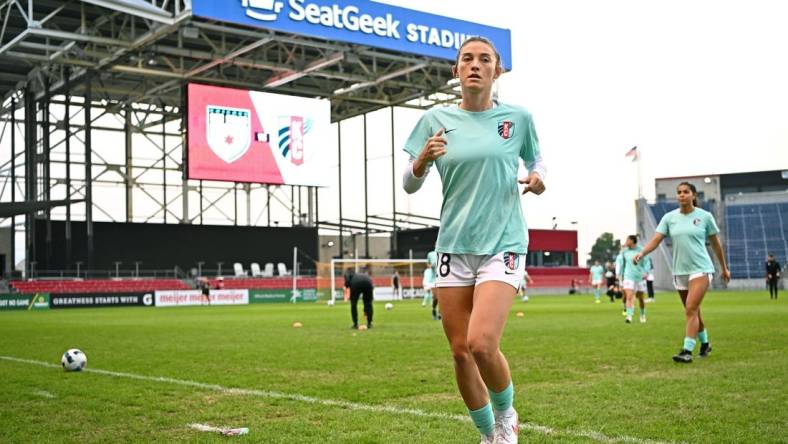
(701, 87)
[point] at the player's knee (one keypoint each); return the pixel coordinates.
(461, 353)
(482, 349)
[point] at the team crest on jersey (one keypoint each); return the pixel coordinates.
(228, 131)
(511, 261)
(292, 130)
(696, 222)
(506, 129)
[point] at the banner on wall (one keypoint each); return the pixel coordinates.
(37, 301)
(92, 300)
(182, 298)
(239, 135)
(282, 295)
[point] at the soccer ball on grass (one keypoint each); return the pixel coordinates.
(74, 360)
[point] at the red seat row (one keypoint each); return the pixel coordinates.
(98, 285)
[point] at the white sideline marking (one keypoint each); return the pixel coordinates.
(597, 436)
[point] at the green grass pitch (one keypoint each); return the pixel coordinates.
(578, 370)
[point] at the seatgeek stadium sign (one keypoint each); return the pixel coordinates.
(362, 22)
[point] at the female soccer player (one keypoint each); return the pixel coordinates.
(689, 227)
(482, 242)
(595, 279)
(632, 277)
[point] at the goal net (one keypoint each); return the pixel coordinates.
(409, 272)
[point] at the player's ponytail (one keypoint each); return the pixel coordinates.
(694, 193)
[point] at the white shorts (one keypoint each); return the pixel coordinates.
(596, 282)
(429, 286)
(638, 286)
(464, 270)
(681, 281)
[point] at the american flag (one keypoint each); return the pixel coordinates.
(633, 152)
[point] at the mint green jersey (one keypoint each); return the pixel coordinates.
(689, 233)
(596, 272)
(432, 259)
(626, 267)
(647, 265)
(429, 276)
(481, 212)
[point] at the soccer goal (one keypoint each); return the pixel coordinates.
(409, 273)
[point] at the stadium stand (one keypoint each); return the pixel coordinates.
(98, 285)
(752, 231)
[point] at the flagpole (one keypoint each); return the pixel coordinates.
(640, 182)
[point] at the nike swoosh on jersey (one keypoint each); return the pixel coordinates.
(449, 130)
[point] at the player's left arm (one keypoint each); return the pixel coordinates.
(532, 157)
(716, 245)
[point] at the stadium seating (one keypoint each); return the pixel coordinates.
(98, 285)
(752, 231)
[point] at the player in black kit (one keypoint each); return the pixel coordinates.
(360, 285)
(772, 275)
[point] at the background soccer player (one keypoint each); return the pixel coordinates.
(360, 285)
(772, 275)
(476, 148)
(689, 227)
(633, 278)
(595, 278)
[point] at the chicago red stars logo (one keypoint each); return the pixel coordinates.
(511, 261)
(505, 129)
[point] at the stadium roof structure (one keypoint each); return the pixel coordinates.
(72, 68)
(138, 51)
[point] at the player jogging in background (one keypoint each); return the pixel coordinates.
(476, 148)
(428, 282)
(689, 227)
(595, 279)
(524, 286)
(632, 277)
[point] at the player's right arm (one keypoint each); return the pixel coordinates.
(418, 166)
(650, 246)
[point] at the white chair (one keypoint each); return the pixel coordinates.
(255, 267)
(268, 271)
(239, 270)
(282, 269)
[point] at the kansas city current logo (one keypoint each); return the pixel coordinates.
(266, 10)
(505, 129)
(291, 137)
(228, 131)
(511, 261)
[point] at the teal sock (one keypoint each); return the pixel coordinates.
(703, 337)
(596, 294)
(502, 400)
(689, 344)
(643, 311)
(630, 311)
(484, 419)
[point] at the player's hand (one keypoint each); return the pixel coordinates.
(434, 148)
(637, 258)
(726, 275)
(533, 183)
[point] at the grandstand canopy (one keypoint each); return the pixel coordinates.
(362, 55)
